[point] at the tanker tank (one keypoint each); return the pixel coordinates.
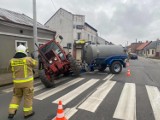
(91, 52)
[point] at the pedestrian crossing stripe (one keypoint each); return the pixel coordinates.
(73, 94)
(37, 88)
(48, 93)
(92, 103)
(108, 77)
(8, 90)
(125, 108)
(69, 112)
(154, 97)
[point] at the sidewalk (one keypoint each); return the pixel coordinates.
(6, 78)
(155, 60)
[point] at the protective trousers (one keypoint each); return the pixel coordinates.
(18, 94)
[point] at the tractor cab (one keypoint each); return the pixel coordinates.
(55, 62)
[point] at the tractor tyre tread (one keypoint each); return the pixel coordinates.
(45, 81)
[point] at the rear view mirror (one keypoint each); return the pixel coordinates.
(60, 37)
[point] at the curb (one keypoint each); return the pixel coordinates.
(6, 84)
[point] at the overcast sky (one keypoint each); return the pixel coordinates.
(117, 21)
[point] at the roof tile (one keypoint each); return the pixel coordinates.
(142, 46)
(10, 16)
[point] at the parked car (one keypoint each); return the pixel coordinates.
(133, 56)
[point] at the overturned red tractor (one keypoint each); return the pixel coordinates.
(55, 63)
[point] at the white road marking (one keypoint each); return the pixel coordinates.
(11, 89)
(154, 97)
(8, 90)
(101, 73)
(91, 104)
(126, 108)
(108, 77)
(73, 94)
(38, 88)
(68, 112)
(37, 82)
(57, 89)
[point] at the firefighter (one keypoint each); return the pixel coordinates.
(22, 69)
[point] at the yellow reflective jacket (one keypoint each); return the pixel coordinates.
(22, 69)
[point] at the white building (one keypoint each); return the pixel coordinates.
(74, 30)
(102, 41)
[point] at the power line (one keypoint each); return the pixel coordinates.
(53, 4)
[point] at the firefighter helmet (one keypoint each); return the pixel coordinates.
(22, 49)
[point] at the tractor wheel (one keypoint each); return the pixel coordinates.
(102, 68)
(116, 67)
(75, 67)
(48, 83)
(67, 73)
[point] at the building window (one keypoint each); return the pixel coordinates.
(148, 51)
(19, 42)
(88, 37)
(69, 45)
(92, 38)
(79, 27)
(152, 51)
(78, 36)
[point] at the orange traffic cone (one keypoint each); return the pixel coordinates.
(127, 64)
(128, 72)
(60, 112)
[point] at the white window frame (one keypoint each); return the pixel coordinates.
(16, 41)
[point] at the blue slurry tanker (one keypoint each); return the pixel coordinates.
(102, 56)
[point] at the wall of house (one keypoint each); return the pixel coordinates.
(62, 23)
(9, 36)
(158, 49)
(7, 48)
(141, 52)
(78, 26)
(90, 34)
(24, 30)
(102, 41)
(151, 53)
(134, 47)
(15, 29)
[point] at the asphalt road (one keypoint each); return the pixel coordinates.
(97, 96)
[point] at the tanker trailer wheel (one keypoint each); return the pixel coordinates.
(116, 67)
(102, 67)
(74, 65)
(45, 80)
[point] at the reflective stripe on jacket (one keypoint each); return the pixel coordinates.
(22, 69)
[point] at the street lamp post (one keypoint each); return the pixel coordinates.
(34, 25)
